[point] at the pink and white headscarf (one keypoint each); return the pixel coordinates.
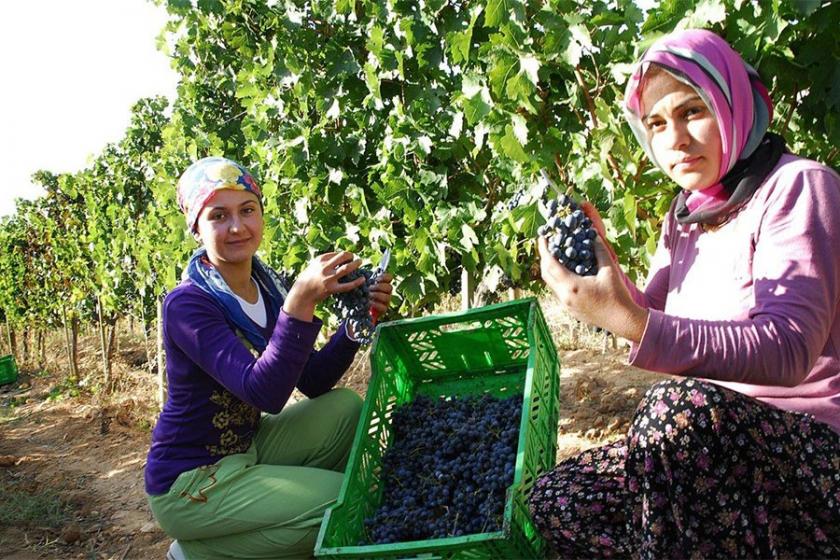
(730, 87)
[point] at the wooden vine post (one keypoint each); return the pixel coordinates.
(467, 289)
(103, 340)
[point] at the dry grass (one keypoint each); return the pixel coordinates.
(75, 457)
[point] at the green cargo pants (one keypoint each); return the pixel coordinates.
(267, 502)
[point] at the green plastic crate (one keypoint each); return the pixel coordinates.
(502, 350)
(8, 370)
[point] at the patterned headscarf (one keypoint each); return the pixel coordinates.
(733, 91)
(202, 179)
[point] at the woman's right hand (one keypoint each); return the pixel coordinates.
(318, 281)
(601, 300)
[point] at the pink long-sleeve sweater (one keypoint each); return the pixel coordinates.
(754, 305)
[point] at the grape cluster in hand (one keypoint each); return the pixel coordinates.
(516, 199)
(354, 306)
(447, 470)
(570, 236)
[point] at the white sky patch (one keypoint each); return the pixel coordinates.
(530, 66)
(335, 110)
(520, 129)
(425, 144)
(457, 125)
(336, 175)
(72, 71)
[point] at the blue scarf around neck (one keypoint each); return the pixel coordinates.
(203, 274)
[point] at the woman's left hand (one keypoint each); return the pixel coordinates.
(601, 300)
(380, 294)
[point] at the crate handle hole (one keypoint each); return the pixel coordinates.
(460, 327)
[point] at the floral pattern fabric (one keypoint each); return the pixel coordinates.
(236, 423)
(704, 472)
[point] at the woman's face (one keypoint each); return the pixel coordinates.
(682, 131)
(230, 226)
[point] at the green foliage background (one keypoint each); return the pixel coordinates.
(400, 124)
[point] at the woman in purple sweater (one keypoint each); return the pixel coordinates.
(739, 455)
(234, 471)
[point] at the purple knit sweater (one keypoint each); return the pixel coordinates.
(217, 387)
(755, 305)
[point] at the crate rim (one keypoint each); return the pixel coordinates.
(441, 317)
(433, 545)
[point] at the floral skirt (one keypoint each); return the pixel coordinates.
(705, 472)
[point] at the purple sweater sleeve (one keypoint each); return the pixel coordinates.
(198, 327)
(656, 285)
(326, 366)
(795, 290)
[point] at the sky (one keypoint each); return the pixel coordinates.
(71, 70)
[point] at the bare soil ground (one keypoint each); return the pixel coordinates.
(71, 465)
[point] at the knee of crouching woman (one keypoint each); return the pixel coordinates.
(676, 412)
(542, 503)
(346, 402)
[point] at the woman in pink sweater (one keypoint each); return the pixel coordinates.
(739, 456)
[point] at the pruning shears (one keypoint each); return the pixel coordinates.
(383, 265)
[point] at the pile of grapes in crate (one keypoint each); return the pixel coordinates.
(447, 470)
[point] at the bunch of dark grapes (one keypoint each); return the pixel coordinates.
(570, 236)
(455, 281)
(354, 306)
(515, 200)
(447, 470)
